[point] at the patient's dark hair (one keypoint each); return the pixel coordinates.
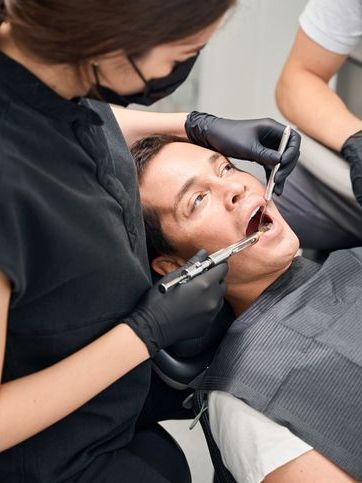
(143, 152)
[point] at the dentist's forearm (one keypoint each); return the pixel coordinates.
(138, 124)
(32, 403)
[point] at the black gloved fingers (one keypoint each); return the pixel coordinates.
(352, 152)
(268, 158)
(356, 178)
(288, 161)
(217, 273)
(197, 125)
(222, 288)
(211, 286)
(269, 133)
(352, 148)
(200, 256)
(186, 311)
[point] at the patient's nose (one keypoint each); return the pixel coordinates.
(234, 193)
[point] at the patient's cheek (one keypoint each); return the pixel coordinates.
(253, 184)
(186, 247)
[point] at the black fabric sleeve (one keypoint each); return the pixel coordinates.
(12, 237)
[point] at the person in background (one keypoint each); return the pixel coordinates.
(329, 30)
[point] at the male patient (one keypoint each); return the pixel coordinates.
(194, 198)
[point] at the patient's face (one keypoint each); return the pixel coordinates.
(203, 202)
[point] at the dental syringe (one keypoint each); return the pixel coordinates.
(212, 260)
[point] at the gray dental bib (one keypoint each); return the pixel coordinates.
(296, 356)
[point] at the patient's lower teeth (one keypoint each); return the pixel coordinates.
(265, 227)
(253, 225)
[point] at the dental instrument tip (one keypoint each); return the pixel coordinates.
(264, 227)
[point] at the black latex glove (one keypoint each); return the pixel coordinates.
(352, 152)
(254, 140)
(184, 312)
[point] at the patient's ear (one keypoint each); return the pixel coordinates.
(167, 263)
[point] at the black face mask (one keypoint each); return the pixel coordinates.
(155, 89)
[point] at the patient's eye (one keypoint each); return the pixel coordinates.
(224, 168)
(197, 201)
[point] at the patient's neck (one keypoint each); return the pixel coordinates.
(241, 295)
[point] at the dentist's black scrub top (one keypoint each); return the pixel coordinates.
(72, 242)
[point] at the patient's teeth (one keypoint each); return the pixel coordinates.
(265, 227)
(254, 212)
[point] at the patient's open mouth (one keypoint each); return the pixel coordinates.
(253, 224)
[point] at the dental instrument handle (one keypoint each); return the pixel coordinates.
(271, 183)
(225, 253)
(187, 274)
(282, 145)
(211, 261)
(270, 186)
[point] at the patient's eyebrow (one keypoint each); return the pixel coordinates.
(190, 182)
(214, 157)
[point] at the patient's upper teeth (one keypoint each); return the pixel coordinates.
(254, 212)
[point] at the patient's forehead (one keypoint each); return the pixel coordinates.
(169, 169)
(183, 154)
(177, 161)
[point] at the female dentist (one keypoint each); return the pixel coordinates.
(79, 319)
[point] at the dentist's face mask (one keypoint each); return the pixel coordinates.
(155, 89)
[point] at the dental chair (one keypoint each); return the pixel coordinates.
(180, 365)
(327, 166)
(330, 169)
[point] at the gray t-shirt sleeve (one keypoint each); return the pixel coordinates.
(336, 25)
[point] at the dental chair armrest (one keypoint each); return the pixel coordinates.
(177, 372)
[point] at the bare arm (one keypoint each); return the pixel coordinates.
(304, 97)
(32, 403)
(138, 124)
(5, 292)
(311, 467)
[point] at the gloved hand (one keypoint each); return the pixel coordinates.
(352, 152)
(184, 312)
(255, 140)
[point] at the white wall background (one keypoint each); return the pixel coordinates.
(242, 63)
(236, 73)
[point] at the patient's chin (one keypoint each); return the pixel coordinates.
(294, 240)
(287, 237)
(279, 254)
(289, 249)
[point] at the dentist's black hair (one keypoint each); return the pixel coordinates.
(2, 11)
(73, 31)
